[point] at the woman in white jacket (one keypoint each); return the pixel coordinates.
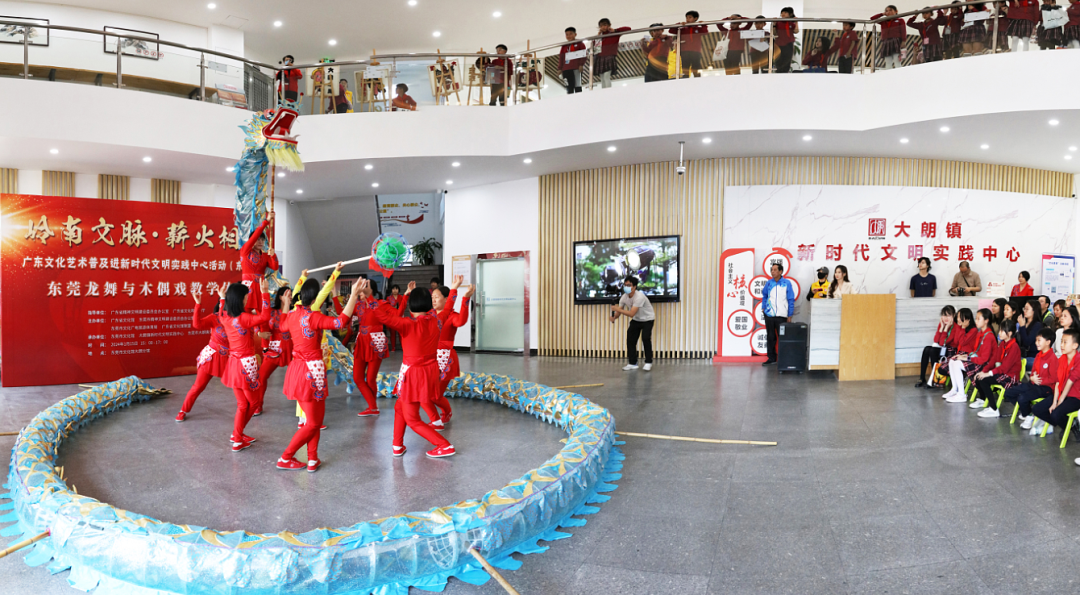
(840, 284)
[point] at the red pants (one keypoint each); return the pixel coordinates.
(202, 379)
(245, 406)
(433, 407)
(409, 414)
(309, 433)
(269, 364)
(367, 381)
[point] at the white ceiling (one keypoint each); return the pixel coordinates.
(1021, 139)
(392, 26)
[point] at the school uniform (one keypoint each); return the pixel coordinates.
(982, 357)
(1023, 15)
(736, 47)
(939, 350)
(950, 38)
(1046, 366)
(846, 46)
(498, 91)
(571, 69)
(1067, 371)
(1025, 338)
(1072, 28)
(759, 61)
(931, 40)
(785, 40)
(1049, 39)
(609, 49)
(656, 52)
(893, 34)
(1005, 373)
(974, 32)
(1003, 22)
(690, 38)
(816, 62)
(288, 82)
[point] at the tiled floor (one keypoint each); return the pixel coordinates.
(876, 487)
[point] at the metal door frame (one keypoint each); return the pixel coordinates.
(522, 255)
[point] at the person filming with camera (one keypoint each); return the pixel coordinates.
(966, 282)
(634, 305)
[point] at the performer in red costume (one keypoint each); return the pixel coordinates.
(278, 350)
(212, 359)
(254, 262)
(395, 300)
(418, 381)
(443, 301)
(370, 350)
(242, 371)
(305, 380)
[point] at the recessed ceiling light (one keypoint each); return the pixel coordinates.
(1072, 148)
(808, 137)
(147, 160)
(496, 14)
(54, 151)
(1068, 156)
(611, 149)
(944, 128)
(281, 174)
(299, 191)
(527, 160)
(984, 147)
(455, 164)
(211, 6)
(1054, 122)
(449, 182)
(706, 140)
(436, 34)
(375, 185)
(904, 141)
(277, 23)
(332, 42)
(412, 2)
(369, 167)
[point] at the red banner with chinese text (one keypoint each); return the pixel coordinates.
(95, 290)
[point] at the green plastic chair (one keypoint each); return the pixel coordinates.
(1000, 390)
(1068, 426)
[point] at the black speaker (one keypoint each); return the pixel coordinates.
(791, 347)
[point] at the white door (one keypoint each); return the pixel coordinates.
(500, 324)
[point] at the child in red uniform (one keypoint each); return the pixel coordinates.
(253, 262)
(973, 33)
(1049, 39)
(571, 66)
(1023, 16)
(1003, 23)
(1072, 28)
(242, 371)
(981, 358)
(656, 51)
(736, 45)
(1041, 377)
(288, 80)
(449, 367)
(817, 60)
(846, 46)
(402, 101)
(506, 68)
(893, 34)
(370, 350)
(690, 38)
(278, 350)
(212, 359)
(604, 64)
(785, 33)
(1006, 373)
(1067, 391)
(945, 329)
(953, 23)
(928, 31)
(305, 380)
(418, 381)
(759, 59)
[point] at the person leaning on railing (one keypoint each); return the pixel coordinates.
(690, 38)
(604, 64)
(656, 54)
(893, 34)
(953, 23)
(571, 57)
(785, 33)
(736, 44)
(928, 32)
(847, 45)
(759, 59)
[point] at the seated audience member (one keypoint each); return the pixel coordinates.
(966, 282)
(402, 101)
(818, 58)
(1023, 289)
(1005, 372)
(1046, 310)
(923, 284)
(963, 367)
(961, 341)
(1069, 319)
(997, 313)
(1010, 313)
(1066, 398)
(840, 285)
(819, 289)
(1041, 376)
(946, 328)
(1028, 325)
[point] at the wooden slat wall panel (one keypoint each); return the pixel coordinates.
(9, 180)
(650, 199)
(114, 187)
(166, 191)
(58, 183)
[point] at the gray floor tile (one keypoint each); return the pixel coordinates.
(798, 549)
(992, 527)
(881, 543)
(950, 578)
(591, 579)
(1042, 568)
(662, 545)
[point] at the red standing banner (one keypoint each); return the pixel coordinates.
(95, 290)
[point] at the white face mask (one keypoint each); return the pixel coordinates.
(626, 289)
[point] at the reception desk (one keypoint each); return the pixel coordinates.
(916, 321)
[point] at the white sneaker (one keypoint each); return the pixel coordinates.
(629, 367)
(1028, 421)
(988, 412)
(949, 394)
(647, 367)
(1077, 461)
(957, 398)
(978, 404)
(1049, 430)
(1034, 431)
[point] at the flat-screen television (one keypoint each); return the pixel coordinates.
(600, 267)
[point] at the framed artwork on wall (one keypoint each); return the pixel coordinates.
(37, 29)
(133, 47)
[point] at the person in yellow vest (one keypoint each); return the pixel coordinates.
(820, 288)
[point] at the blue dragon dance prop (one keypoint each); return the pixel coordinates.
(114, 551)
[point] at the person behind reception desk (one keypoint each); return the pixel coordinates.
(965, 282)
(1022, 289)
(840, 284)
(923, 284)
(820, 288)
(777, 305)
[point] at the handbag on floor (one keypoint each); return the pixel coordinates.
(939, 377)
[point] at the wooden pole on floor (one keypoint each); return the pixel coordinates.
(577, 386)
(22, 544)
(9, 433)
(686, 439)
(494, 573)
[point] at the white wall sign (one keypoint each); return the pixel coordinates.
(737, 323)
(414, 216)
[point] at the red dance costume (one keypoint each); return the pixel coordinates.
(418, 381)
(253, 265)
(370, 350)
(212, 359)
(396, 302)
(305, 380)
(242, 371)
(277, 354)
(449, 367)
